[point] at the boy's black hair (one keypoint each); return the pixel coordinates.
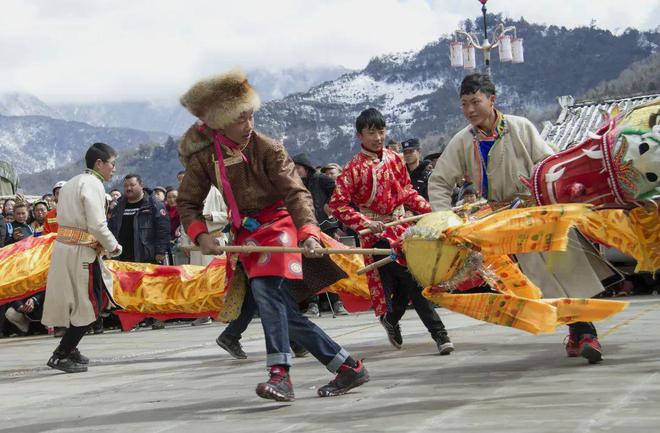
(475, 82)
(100, 151)
(370, 118)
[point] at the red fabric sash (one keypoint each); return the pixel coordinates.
(219, 139)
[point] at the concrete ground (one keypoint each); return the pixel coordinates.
(498, 380)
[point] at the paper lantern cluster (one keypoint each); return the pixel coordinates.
(464, 54)
(511, 50)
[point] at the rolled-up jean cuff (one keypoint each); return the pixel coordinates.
(338, 360)
(279, 359)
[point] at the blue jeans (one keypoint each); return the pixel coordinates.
(281, 318)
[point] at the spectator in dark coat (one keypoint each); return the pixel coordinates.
(418, 169)
(3, 230)
(321, 187)
(140, 223)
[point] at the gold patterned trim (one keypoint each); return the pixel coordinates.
(74, 236)
(398, 213)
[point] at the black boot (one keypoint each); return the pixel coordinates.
(62, 361)
(78, 357)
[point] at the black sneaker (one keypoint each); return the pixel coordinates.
(231, 345)
(66, 365)
(347, 378)
(278, 387)
(78, 357)
(445, 346)
(393, 332)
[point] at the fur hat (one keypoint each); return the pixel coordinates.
(219, 100)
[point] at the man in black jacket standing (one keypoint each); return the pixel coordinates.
(141, 224)
(417, 167)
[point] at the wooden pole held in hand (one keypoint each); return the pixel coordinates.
(395, 223)
(375, 265)
(245, 249)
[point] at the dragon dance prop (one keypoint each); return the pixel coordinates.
(163, 292)
(444, 251)
(617, 167)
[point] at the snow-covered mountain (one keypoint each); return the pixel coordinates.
(35, 136)
(168, 115)
(418, 92)
(24, 104)
(34, 143)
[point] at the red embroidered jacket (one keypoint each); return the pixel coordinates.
(381, 190)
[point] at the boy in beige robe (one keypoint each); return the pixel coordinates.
(77, 276)
(495, 150)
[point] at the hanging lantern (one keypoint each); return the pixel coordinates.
(517, 50)
(505, 50)
(456, 53)
(469, 57)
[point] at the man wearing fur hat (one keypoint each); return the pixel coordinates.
(268, 206)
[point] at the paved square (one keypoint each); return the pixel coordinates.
(498, 380)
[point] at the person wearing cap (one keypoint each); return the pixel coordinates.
(332, 170)
(418, 169)
(50, 226)
(49, 198)
(268, 206)
(160, 193)
(78, 281)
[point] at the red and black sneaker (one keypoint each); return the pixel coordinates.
(572, 345)
(278, 387)
(590, 348)
(347, 378)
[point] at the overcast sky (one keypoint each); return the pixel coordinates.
(109, 50)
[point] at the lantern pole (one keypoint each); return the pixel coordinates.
(487, 46)
(486, 51)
